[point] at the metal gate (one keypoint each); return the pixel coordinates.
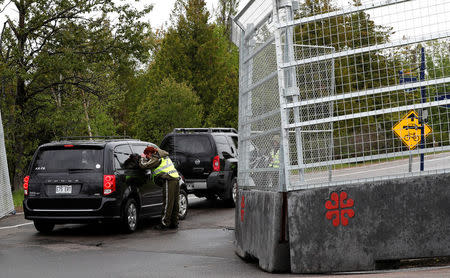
(6, 200)
(336, 93)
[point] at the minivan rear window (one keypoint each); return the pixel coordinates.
(192, 144)
(68, 159)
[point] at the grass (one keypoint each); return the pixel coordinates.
(18, 198)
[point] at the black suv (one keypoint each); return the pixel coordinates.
(207, 158)
(81, 181)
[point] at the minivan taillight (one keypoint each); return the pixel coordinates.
(216, 163)
(109, 184)
(25, 185)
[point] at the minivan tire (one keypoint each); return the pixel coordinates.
(44, 227)
(130, 216)
(183, 204)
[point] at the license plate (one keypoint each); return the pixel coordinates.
(63, 189)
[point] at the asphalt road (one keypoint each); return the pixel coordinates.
(377, 169)
(202, 247)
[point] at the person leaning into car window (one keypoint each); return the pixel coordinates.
(164, 172)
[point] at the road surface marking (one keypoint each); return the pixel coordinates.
(15, 226)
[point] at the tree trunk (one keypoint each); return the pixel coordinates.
(21, 40)
(86, 114)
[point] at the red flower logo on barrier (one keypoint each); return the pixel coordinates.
(242, 208)
(339, 210)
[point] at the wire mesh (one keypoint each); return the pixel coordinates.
(6, 200)
(259, 121)
(365, 91)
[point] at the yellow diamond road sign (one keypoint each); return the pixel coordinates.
(410, 130)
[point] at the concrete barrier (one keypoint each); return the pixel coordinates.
(351, 227)
(259, 231)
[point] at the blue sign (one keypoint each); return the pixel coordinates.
(410, 79)
(407, 79)
(443, 97)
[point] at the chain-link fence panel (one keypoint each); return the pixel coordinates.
(385, 103)
(259, 121)
(6, 200)
(363, 90)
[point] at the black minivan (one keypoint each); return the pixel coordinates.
(78, 181)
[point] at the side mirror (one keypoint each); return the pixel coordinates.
(227, 155)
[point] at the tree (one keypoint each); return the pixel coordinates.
(41, 22)
(170, 106)
(225, 106)
(353, 72)
(196, 52)
(226, 9)
(438, 66)
(62, 49)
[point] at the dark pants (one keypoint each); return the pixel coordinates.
(171, 205)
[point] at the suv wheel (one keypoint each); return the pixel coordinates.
(44, 227)
(231, 202)
(234, 190)
(183, 204)
(130, 216)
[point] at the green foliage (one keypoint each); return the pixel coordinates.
(170, 106)
(18, 198)
(198, 53)
(354, 72)
(224, 109)
(226, 9)
(61, 66)
(438, 66)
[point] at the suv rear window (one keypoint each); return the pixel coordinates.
(67, 159)
(198, 144)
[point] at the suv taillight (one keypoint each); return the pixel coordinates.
(216, 163)
(109, 184)
(25, 185)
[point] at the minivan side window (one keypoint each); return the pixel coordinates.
(139, 149)
(121, 154)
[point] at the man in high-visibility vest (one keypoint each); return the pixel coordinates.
(274, 159)
(274, 153)
(164, 171)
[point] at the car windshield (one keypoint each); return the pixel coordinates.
(68, 159)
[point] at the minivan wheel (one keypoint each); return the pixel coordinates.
(183, 204)
(43, 227)
(130, 216)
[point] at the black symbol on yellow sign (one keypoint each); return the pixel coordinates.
(410, 130)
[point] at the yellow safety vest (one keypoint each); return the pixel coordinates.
(275, 159)
(166, 166)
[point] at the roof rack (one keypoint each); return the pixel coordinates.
(120, 137)
(209, 130)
